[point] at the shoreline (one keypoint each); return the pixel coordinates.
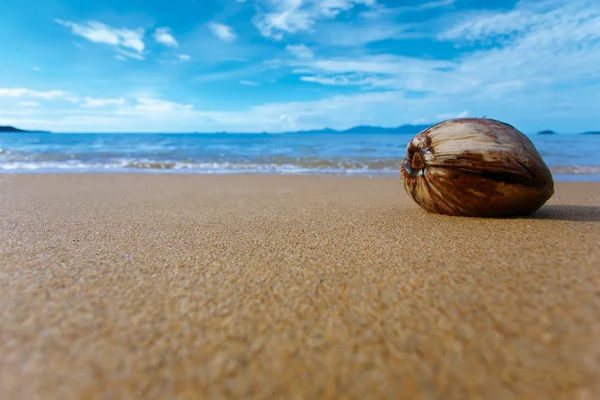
(571, 177)
(263, 286)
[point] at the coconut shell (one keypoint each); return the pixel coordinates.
(476, 167)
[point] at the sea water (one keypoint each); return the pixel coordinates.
(569, 156)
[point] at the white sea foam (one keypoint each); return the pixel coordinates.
(575, 169)
(190, 167)
(312, 166)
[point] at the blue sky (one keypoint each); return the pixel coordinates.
(274, 65)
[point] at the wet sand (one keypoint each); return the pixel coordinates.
(166, 287)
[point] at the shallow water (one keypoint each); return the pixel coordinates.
(570, 157)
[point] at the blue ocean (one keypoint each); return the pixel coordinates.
(571, 157)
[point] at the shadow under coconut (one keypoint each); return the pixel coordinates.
(567, 213)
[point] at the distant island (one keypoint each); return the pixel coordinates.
(360, 129)
(357, 129)
(11, 129)
(408, 128)
(367, 129)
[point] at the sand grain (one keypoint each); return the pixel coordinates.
(117, 286)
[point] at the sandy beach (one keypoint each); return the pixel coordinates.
(186, 286)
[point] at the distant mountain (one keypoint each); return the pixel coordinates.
(13, 129)
(367, 129)
(364, 129)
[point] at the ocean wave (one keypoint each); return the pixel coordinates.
(575, 169)
(276, 165)
(150, 166)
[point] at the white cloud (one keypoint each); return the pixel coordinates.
(340, 80)
(432, 4)
(123, 54)
(350, 79)
(98, 32)
(28, 103)
(388, 108)
(37, 69)
(279, 17)
(377, 64)
(90, 102)
(486, 24)
(577, 20)
(174, 59)
(543, 66)
(377, 12)
(156, 114)
(223, 32)
(339, 111)
(300, 51)
(537, 45)
(16, 113)
(164, 36)
(334, 81)
(249, 83)
(337, 80)
(362, 32)
(435, 4)
(47, 95)
(380, 71)
(235, 74)
(159, 105)
(381, 23)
